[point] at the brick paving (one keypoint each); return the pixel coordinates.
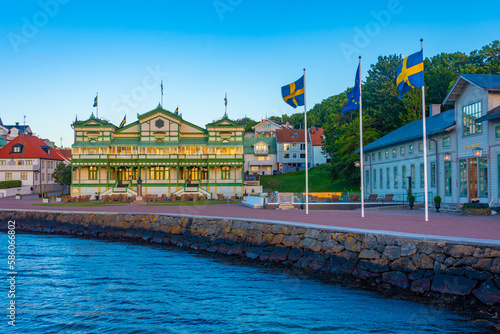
(395, 220)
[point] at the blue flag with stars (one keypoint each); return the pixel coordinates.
(354, 95)
(293, 94)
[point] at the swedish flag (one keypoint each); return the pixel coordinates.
(162, 87)
(176, 112)
(95, 101)
(123, 121)
(293, 94)
(410, 73)
(354, 95)
(225, 101)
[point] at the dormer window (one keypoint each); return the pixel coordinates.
(17, 148)
(260, 149)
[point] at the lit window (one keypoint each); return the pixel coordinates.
(469, 115)
(446, 141)
(286, 156)
(402, 150)
(393, 152)
(8, 176)
(92, 173)
(225, 175)
(286, 147)
(24, 176)
(410, 149)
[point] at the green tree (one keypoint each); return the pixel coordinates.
(249, 123)
(62, 175)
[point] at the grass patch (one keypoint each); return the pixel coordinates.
(295, 182)
(176, 203)
(82, 204)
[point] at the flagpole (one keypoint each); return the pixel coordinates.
(362, 157)
(225, 104)
(426, 195)
(97, 105)
(305, 136)
(161, 88)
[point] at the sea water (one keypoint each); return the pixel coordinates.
(71, 285)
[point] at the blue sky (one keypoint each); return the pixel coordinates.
(57, 54)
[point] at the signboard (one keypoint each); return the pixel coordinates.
(285, 198)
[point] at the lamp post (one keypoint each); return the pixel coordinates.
(477, 152)
(358, 164)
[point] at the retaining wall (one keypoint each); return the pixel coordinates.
(449, 271)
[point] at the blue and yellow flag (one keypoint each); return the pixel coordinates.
(123, 121)
(176, 112)
(354, 95)
(293, 94)
(95, 101)
(410, 73)
(225, 101)
(162, 87)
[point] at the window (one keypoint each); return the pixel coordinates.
(393, 152)
(286, 147)
(387, 154)
(43, 164)
(19, 162)
(433, 174)
(8, 176)
(294, 144)
(462, 165)
(374, 178)
(381, 178)
(2, 162)
(295, 155)
(431, 145)
(422, 179)
(366, 157)
(157, 173)
(17, 148)
(367, 179)
(447, 177)
(260, 149)
(302, 155)
(410, 149)
(396, 177)
(497, 132)
(204, 173)
(446, 141)
(43, 177)
(469, 115)
(302, 147)
(373, 156)
(29, 162)
(412, 174)
(24, 176)
(286, 156)
(92, 173)
(403, 176)
(402, 150)
(420, 147)
(388, 178)
(225, 175)
(380, 155)
(36, 176)
(483, 177)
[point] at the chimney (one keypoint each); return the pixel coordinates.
(435, 109)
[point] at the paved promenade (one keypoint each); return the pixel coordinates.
(394, 220)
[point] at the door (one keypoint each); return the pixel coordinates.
(472, 173)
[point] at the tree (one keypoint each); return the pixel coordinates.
(249, 123)
(62, 175)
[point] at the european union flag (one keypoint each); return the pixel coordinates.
(123, 121)
(95, 102)
(176, 112)
(293, 94)
(354, 95)
(410, 73)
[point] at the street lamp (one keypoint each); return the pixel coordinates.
(477, 152)
(447, 156)
(357, 163)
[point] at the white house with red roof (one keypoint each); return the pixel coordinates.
(31, 160)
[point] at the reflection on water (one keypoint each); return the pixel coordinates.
(71, 285)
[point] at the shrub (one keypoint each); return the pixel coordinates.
(437, 198)
(476, 206)
(10, 184)
(411, 198)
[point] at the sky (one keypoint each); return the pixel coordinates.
(56, 55)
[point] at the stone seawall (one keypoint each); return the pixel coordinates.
(447, 271)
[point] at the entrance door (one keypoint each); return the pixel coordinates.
(472, 171)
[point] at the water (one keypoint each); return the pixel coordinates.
(70, 285)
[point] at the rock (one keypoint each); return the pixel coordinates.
(338, 248)
(351, 244)
(454, 271)
(477, 275)
(343, 263)
(290, 240)
(328, 245)
(310, 244)
(495, 267)
(426, 247)
(253, 252)
(385, 240)
(294, 254)
(488, 293)
(408, 249)
(483, 264)
(311, 233)
(403, 264)
(279, 254)
(466, 261)
(459, 251)
(369, 242)
(317, 263)
(455, 285)
(277, 240)
(303, 262)
(416, 275)
(396, 278)
(421, 285)
(379, 266)
(423, 261)
(392, 252)
(235, 249)
(369, 254)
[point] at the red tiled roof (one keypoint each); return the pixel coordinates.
(316, 136)
(66, 153)
(289, 135)
(32, 149)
